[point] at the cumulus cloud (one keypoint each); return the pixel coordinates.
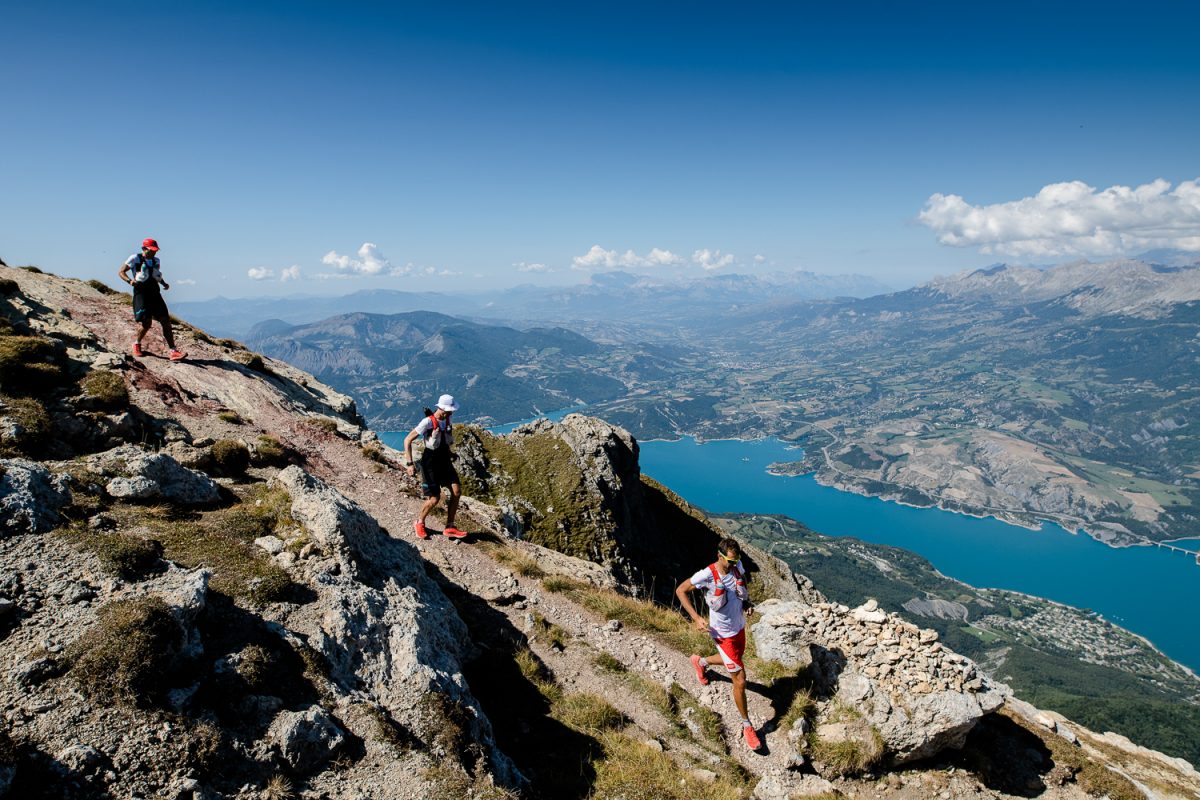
(709, 260)
(292, 273)
(369, 261)
(185, 282)
(599, 258)
(524, 267)
(1072, 219)
(260, 273)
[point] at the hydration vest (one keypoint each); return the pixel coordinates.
(717, 598)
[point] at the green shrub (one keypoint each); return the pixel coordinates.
(232, 417)
(101, 287)
(129, 654)
(230, 457)
(106, 388)
(33, 269)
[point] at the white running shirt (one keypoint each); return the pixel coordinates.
(730, 619)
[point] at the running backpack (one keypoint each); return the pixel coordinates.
(717, 598)
(436, 436)
(146, 269)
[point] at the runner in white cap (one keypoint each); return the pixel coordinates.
(437, 468)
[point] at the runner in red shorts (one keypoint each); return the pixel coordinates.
(724, 587)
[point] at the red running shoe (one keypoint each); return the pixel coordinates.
(698, 663)
(454, 533)
(178, 355)
(752, 740)
(137, 350)
(419, 527)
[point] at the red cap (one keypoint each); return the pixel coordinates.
(150, 244)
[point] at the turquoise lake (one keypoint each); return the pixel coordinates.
(1148, 590)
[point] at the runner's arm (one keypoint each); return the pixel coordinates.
(683, 592)
(123, 274)
(408, 442)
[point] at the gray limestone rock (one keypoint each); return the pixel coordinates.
(381, 623)
(142, 476)
(30, 497)
(787, 785)
(306, 739)
(79, 758)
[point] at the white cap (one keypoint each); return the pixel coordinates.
(446, 403)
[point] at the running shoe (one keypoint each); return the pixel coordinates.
(698, 663)
(752, 740)
(419, 527)
(178, 355)
(137, 350)
(454, 533)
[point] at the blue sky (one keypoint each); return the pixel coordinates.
(495, 144)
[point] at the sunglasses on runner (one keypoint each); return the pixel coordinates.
(733, 560)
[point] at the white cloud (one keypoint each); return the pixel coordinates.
(292, 273)
(185, 282)
(1072, 219)
(711, 259)
(260, 273)
(599, 258)
(759, 258)
(369, 262)
(523, 267)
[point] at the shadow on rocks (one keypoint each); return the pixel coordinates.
(555, 758)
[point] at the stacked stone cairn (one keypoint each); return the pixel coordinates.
(879, 682)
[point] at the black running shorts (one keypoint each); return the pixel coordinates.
(437, 472)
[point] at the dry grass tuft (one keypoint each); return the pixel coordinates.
(278, 788)
(106, 388)
(587, 713)
(630, 769)
(249, 360)
(101, 287)
(669, 625)
(230, 457)
(33, 425)
(232, 417)
(270, 452)
(128, 654)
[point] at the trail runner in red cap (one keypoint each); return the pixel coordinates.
(143, 272)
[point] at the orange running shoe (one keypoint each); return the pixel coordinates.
(178, 355)
(419, 527)
(137, 350)
(752, 740)
(698, 663)
(454, 533)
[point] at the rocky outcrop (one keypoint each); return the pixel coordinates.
(30, 496)
(917, 695)
(139, 475)
(575, 486)
(384, 627)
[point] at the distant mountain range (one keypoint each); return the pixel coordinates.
(608, 296)
(1070, 393)
(396, 364)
